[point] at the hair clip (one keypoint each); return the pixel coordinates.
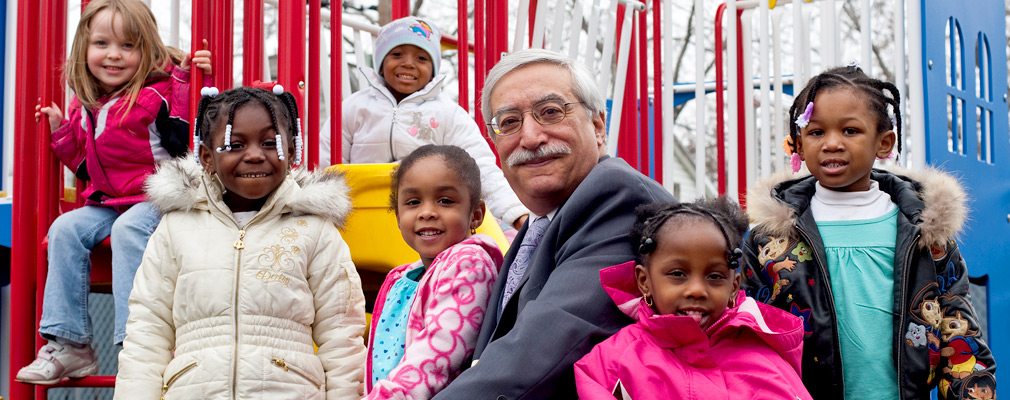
(804, 118)
(209, 91)
(647, 246)
(855, 65)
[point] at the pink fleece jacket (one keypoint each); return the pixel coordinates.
(444, 319)
(751, 352)
(118, 150)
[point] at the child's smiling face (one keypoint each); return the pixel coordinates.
(112, 58)
(841, 142)
(406, 69)
(433, 208)
(688, 273)
(251, 170)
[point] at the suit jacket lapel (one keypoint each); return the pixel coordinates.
(490, 323)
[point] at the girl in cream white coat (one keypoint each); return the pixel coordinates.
(247, 270)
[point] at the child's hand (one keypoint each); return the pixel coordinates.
(52, 113)
(201, 59)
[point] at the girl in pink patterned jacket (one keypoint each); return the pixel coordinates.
(697, 335)
(428, 313)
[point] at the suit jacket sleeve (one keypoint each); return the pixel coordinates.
(562, 309)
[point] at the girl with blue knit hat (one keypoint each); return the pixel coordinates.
(403, 108)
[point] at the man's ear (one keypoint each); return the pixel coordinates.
(886, 143)
(600, 129)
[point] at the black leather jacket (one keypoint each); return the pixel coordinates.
(930, 285)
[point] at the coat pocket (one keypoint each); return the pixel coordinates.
(291, 368)
(175, 377)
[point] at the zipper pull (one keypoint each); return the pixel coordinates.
(164, 389)
(280, 363)
(238, 243)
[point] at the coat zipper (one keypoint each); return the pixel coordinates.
(831, 300)
(164, 388)
(238, 245)
(283, 364)
(901, 314)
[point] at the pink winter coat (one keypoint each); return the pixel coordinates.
(116, 150)
(444, 319)
(752, 352)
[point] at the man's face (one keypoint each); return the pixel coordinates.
(544, 164)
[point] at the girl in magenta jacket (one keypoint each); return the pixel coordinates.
(129, 112)
(428, 313)
(697, 335)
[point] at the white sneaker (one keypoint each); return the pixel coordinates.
(56, 361)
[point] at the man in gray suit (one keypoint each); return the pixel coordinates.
(547, 310)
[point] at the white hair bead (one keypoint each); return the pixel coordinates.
(280, 147)
(278, 89)
(209, 91)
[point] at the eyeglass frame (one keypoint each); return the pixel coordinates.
(564, 108)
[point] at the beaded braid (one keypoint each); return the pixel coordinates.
(880, 95)
(291, 106)
(210, 105)
(728, 217)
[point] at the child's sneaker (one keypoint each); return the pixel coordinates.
(56, 361)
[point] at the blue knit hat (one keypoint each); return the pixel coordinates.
(409, 30)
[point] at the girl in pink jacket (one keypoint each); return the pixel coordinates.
(697, 335)
(428, 313)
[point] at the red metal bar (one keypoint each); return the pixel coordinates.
(222, 28)
(479, 69)
(645, 158)
(201, 31)
(291, 49)
(627, 144)
(720, 133)
(24, 232)
(741, 128)
(312, 114)
(252, 42)
(400, 9)
(657, 89)
(336, 83)
(463, 76)
(532, 20)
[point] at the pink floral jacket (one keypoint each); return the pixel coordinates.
(444, 319)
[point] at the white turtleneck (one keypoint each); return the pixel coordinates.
(832, 205)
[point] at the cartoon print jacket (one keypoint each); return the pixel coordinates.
(936, 337)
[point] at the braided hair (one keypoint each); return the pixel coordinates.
(727, 216)
(879, 95)
(283, 116)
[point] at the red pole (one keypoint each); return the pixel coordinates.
(201, 31)
(627, 145)
(312, 114)
(462, 51)
(252, 42)
(400, 9)
(291, 50)
(532, 20)
(222, 16)
(645, 158)
(336, 83)
(657, 89)
(720, 134)
(741, 129)
(24, 232)
(479, 70)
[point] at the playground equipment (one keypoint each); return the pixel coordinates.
(640, 124)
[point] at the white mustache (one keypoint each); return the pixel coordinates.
(522, 156)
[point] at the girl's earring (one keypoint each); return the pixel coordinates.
(732, 302)
(473, 231)
(648, 300)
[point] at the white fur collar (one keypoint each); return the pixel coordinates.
(942, 218)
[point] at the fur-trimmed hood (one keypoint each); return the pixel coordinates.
(181, 184)
(928, 197)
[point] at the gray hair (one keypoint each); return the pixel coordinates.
(586, 90)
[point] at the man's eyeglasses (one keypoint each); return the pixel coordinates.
(547, 113)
